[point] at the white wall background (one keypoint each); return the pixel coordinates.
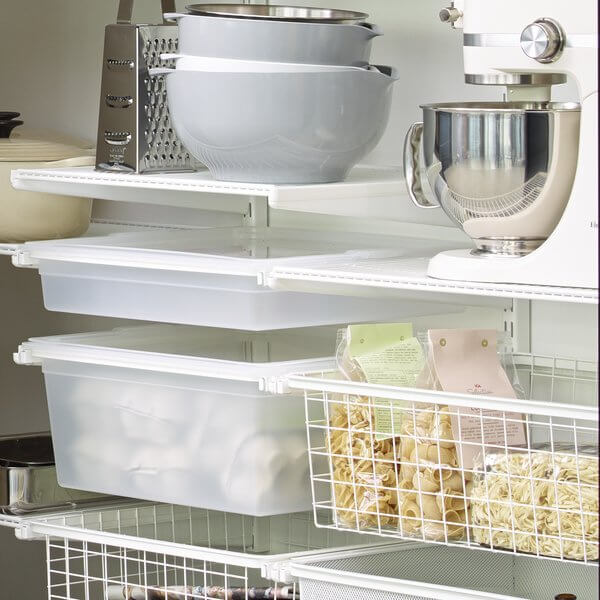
(50, 71)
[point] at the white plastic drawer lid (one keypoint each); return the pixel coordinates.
(244, 251)
(226, 354)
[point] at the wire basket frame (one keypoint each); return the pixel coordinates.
(449, 468)
(167, 552)
(79, 570)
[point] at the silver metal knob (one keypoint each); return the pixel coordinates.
(543, 40)
(450, 14)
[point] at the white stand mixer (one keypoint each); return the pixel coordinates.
(510, 42)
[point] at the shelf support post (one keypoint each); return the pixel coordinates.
(257, 214)
(517, 323)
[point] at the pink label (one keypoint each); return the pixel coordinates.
(486, 431)
(466, 361)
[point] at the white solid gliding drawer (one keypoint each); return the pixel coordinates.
(175, 413)
(211, 277)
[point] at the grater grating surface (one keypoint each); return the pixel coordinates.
(163, 149)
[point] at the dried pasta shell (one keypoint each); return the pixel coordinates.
(407, 472)
(456, 503)
(408, 445)
(454, 482)
(439, 474)
(410, 509)
(420, 461)
(430, 508)
(445, 436)
(425, 484)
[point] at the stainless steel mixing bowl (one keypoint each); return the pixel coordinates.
(307, 14)
(279, 41)
(501, 171)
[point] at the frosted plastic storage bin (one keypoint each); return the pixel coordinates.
(174, 414)
(211, 277)
(418, 572)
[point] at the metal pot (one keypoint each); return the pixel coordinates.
(28, 477)
(281, 41)
(501, 171)
(27, 215)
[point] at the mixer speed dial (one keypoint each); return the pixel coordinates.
(543, 40)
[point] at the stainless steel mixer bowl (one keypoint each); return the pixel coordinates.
(501, 171)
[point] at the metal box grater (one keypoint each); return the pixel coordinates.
(134, 128)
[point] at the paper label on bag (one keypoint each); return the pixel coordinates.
(396, 365)
(466, 362)
(479, 428)
(393, 357)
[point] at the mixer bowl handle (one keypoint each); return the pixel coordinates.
(412, 167)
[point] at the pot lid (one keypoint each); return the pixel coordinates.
(22, 145)
(278, 13)
(26, 451)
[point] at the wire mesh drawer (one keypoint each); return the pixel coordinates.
(520, 476)
(166, 552)
(439, 573)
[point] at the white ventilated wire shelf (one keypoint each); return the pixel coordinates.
(144, 551)
(409, 275)
(369, 191)
(538, 496)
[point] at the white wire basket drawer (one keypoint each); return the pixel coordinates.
(511, 475)
(425, 572)
(167, 552)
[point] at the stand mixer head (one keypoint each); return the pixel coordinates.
(515, 44)
(527, 47)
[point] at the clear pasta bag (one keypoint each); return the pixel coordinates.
(363, 447)
(543, 501)
(438, 443)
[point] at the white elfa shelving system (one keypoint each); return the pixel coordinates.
(95, 552)
(98, 553)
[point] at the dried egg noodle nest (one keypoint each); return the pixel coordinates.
(544, 500)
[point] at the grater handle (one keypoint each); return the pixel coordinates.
(125, 11)
(167, 6)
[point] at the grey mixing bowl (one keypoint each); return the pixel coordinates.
(285, 41)
(280, 127)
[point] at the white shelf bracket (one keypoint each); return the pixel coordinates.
(24, 356)
(22, 259)
(279, 572)
(517, 323)
(257, 214)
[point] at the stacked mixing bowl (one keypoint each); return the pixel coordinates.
(273, 94)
